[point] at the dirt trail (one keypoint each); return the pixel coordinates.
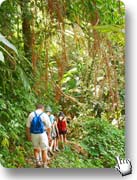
(31, 161)
(74, 146)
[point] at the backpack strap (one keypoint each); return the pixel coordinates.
(35, 113)
(40, 114)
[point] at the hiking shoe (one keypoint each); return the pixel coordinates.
(57, 149)
(50, 148)
(48, 158)
(51, 152)
(38, 164)
(45, 166)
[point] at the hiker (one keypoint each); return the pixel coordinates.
(54, 133)
(38, 130)
(57, 130)
(48, 112)
(62, 127)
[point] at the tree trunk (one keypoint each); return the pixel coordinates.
(26, 28)
(62, 61)
(46, 65)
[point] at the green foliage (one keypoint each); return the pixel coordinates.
(71, 159)
(1, 57)
(10, 159)
(7, 43)
(103, 142)
(13, 146)
(16, 101)
(71, 48)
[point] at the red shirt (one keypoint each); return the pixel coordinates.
(62, 126)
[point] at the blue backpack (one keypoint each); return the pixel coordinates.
(37, 125)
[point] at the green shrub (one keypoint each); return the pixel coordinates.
(71, 159)
(103, 142)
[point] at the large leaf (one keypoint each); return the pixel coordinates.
(110, 28)
(1, 57)
(7, 43)
(23, 78)
(1, 1)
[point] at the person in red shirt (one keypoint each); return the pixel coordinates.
(62, 127)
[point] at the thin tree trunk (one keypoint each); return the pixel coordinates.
(33, 39)
(26, 28)
(116, 95)
(64, 53)
(62, 61)
(108, 76)
(46, 66)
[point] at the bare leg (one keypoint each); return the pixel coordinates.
(48, 158)
(56, 146)
(44, 156)
(36, 153)
(61, 139)
(52, 144)
(40, 155)
(64, 138)
(57, 142)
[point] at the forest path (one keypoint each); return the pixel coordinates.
(75, 147)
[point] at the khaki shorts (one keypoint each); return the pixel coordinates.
(40, 141)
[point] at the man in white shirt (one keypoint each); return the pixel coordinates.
(40, 140)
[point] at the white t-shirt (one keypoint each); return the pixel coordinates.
(44, 117)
